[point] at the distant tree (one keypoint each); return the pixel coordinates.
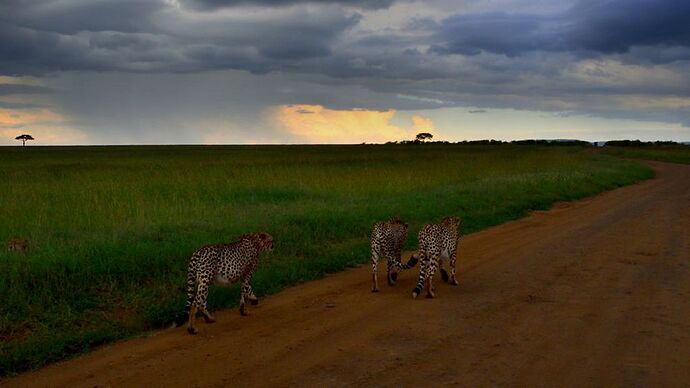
(24, 138)
(423, 136)
(638, 143)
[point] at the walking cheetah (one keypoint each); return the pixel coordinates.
(223, 264)
(387, 240)
(435, 242)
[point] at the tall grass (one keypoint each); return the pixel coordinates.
(111, 228)
(663, 153)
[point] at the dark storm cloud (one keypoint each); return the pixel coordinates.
(216, 4)
(70, 17)
(509, 34)
(616, 26)
(153, 36)
(589, 27)
(149, 36)
(24, 51)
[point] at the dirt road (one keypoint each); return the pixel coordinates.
(590, 293)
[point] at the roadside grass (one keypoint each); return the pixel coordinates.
(662, 153)
(111, 228)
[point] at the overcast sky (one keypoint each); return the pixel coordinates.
(348, 71)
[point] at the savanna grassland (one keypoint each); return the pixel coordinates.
(663, 153)
(111, 228)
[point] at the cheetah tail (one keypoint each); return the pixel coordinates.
(191, 282)
(191, 278)
(417, 289)
(412, 262)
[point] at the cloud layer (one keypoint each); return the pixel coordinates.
(588, 28)
(617, 59)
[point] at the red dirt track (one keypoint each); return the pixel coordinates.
(591, 293)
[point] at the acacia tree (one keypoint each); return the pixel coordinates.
(424, 136)
(24, 138)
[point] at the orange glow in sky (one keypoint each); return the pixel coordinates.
(46, 126)
(317, 124)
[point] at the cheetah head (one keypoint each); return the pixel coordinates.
(397, 221)
(265, 241)
(452, 220)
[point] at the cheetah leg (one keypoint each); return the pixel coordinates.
(246, 294)
(249, 292)
(199, 301)
(253, 300)
(429, 287)
(374, 265)
(243, 308)
(453, 258)
(192, 316)
(444, 273)
(433, 263)
(423, 266)
(207, 316)
(392, 267)
(199, 305)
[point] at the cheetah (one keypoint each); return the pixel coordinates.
(387, 239)
(223, 264)
(18, 245)
(437, 241)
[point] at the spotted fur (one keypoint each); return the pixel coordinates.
(223, 264)
(387, 240)
(437, 241)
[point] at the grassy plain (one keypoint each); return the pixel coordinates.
(662, 153)
(111, 228)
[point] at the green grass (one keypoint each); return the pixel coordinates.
(111, 228)
(663, 153)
